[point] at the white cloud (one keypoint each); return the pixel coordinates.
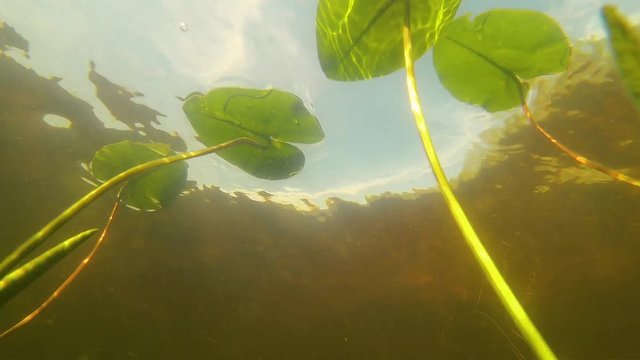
(214, 45)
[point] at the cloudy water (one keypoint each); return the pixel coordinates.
(330, 238)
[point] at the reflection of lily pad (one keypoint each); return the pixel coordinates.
(481, 61)
(150, 191)
(272, 118)
(361, 39)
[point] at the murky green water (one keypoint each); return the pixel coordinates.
(219, 275)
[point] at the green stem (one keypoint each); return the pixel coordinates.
(30, 244)
(500, 286)
(18, 279)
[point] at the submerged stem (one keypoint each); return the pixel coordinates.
(70, 278)
(577, 157)
(507, 297)
(30, 244)
(525, 109)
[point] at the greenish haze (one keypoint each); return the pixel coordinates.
(483, 61)
(625, 43)
(358, 40)
(271, 118)
(18, 279)
(150, 191)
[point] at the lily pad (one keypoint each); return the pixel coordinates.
(150, 191)
(483, 61)
(358, 40)
(625, 43)
(272, 118)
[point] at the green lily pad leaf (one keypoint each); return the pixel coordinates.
(271, 118)
(625, 43)
(150, 191)
(17, 280)
(482, 61)
(362, 39)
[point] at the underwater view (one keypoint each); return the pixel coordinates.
(331, 179)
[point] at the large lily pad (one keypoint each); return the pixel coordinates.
(482, 61)
(625, 43)
(150, 191)
(271, 118)
(362, 39)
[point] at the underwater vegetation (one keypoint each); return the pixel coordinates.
(483, 62)
(253, 128)
(227, 118)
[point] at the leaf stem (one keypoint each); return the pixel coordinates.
(577, 157)
(504, 292)
(21, 277)
(527, 113)
(70, 278)
(36, 239)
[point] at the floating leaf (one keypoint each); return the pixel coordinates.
(17, 280)
(625, 43)
(271, 117)
(482, 61)
(359, 40)
(150, 191)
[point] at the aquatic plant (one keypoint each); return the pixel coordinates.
(250, 128)
(357, 40)
(488, 61)
(625, 45)
(484, 61)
